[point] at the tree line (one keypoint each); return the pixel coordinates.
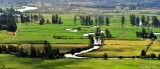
(136, 20)
(88, 20)
(47, 53)
(146, 34)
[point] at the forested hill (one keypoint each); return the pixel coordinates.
(87, 3)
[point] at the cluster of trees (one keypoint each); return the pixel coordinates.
(152, 55)
(46, 53)
(108, 34)
(145, 34)
(25, 18)
(8, 22)
(99, 20)
(86, 20)
(155, 21)
(135, 20)
(56, 19)
(28, 18)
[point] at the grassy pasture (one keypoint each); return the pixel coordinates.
(116, 48)
(10, 61)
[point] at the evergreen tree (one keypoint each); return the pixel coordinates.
(155, 21)
(42, 21)
(144, 33)
(53, 19)
(59, 21)
(96, 21)
(8, 22)
(98, 31)
(122, 21)
(159, 57)
(75, 20)
(137, 21)
(143, 53)
(21, 52)
(105, 56)
(132, 19)
(108, 35)
(91, 22)
(47, 50)
(48, 21)
(143, 20)
(33, 51)
(107, 21)
(153, 56)
(22, 19)
(56, 19)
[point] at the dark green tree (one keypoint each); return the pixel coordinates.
(42, 21)
(153, 56)
(33, 51)
(143, 53)
(159, 57)
(105, 56)
(108, 35)
(21, 52)
(144, 33)
(143, 20)
(107, 21)
(137, 21)
(122, 21)
(47, 21)
(75, 20)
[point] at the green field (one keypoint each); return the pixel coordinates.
(34, 33)
(13, 62)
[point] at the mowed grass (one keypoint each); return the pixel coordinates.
(11, 61)
(116, 48)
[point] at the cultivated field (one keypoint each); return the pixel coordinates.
(116, 48)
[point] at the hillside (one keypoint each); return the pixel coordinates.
(133, 4)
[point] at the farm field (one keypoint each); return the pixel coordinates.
(32, 32)
(10, 61)
(154, 48)
(116, 48)
(124, 43)
(70, 34)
